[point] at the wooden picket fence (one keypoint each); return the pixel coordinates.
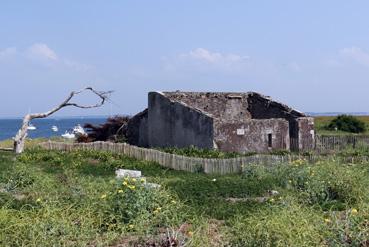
(324, 143)
(178, 162)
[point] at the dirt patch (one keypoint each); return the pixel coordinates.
(214, 233)
(94, 162)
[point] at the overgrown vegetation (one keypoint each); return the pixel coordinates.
(347, 123)
(322, 123)
(50, 198)
(113, 130)
(193, 151)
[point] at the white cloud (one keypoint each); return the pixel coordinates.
(41, 51)
(76, 65)
(357, 54)
(41, 54)
(207, 56)
(8, 52)
(201, 60)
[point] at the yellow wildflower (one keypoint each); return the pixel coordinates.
(134, 180)
(142, 180)
(125, 183)
(120, 191)
(131, 226)
(103, 196)
(354, 211)
(326, 220)
(190, 233)
(132, 187)
(271, 200)
(173, 201)
(38, 200)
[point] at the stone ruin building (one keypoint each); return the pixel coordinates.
(230, 122)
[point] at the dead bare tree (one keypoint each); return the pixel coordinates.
(20, 138)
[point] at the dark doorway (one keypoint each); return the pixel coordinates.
(270, 141)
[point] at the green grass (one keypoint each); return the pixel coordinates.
(322, 121)
(213, 153)
(50, 198)
(203, 153)
(30, 143)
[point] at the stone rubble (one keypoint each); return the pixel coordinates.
(123, 173)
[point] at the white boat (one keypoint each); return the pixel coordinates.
(55, 128)
(68, 135)
(79, 130)
(31, 127)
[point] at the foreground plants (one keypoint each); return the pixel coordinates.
(136, 205)
(52, 198)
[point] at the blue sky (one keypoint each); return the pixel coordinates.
(312, 55)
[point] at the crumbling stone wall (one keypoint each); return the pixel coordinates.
(306, 133)
(253, 136)
(226, 107)
(173, 124)
(261, 107)
(137, 129)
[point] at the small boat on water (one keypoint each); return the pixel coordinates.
(31, 127)
(55, 128)
(77, 131)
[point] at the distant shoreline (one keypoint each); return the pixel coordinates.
(329, 114)
(65, 117)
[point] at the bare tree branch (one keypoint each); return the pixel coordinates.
(20, 138)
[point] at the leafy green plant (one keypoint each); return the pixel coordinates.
(278, 225)
(132, 200)
(19, 179)
(328, 184)
(347, 123)
(203, 153)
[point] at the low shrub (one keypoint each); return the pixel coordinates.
(19, 179)
(278, 225)
(349, 227)
(203, 153)
(347, 123)
(135, 205)
(327, 184)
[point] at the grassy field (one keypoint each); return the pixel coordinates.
(30, 143)
(321, 122)
(50, 198)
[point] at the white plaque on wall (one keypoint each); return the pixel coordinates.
(240, 132)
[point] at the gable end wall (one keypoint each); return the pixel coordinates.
(173, 124)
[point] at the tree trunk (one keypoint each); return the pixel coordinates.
(20, 138)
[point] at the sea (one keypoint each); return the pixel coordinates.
(9, 127)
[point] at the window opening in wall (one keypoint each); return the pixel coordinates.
(270, 141)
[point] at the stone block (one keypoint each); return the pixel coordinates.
(122, 173)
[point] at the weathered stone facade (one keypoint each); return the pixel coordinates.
(232, 122)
